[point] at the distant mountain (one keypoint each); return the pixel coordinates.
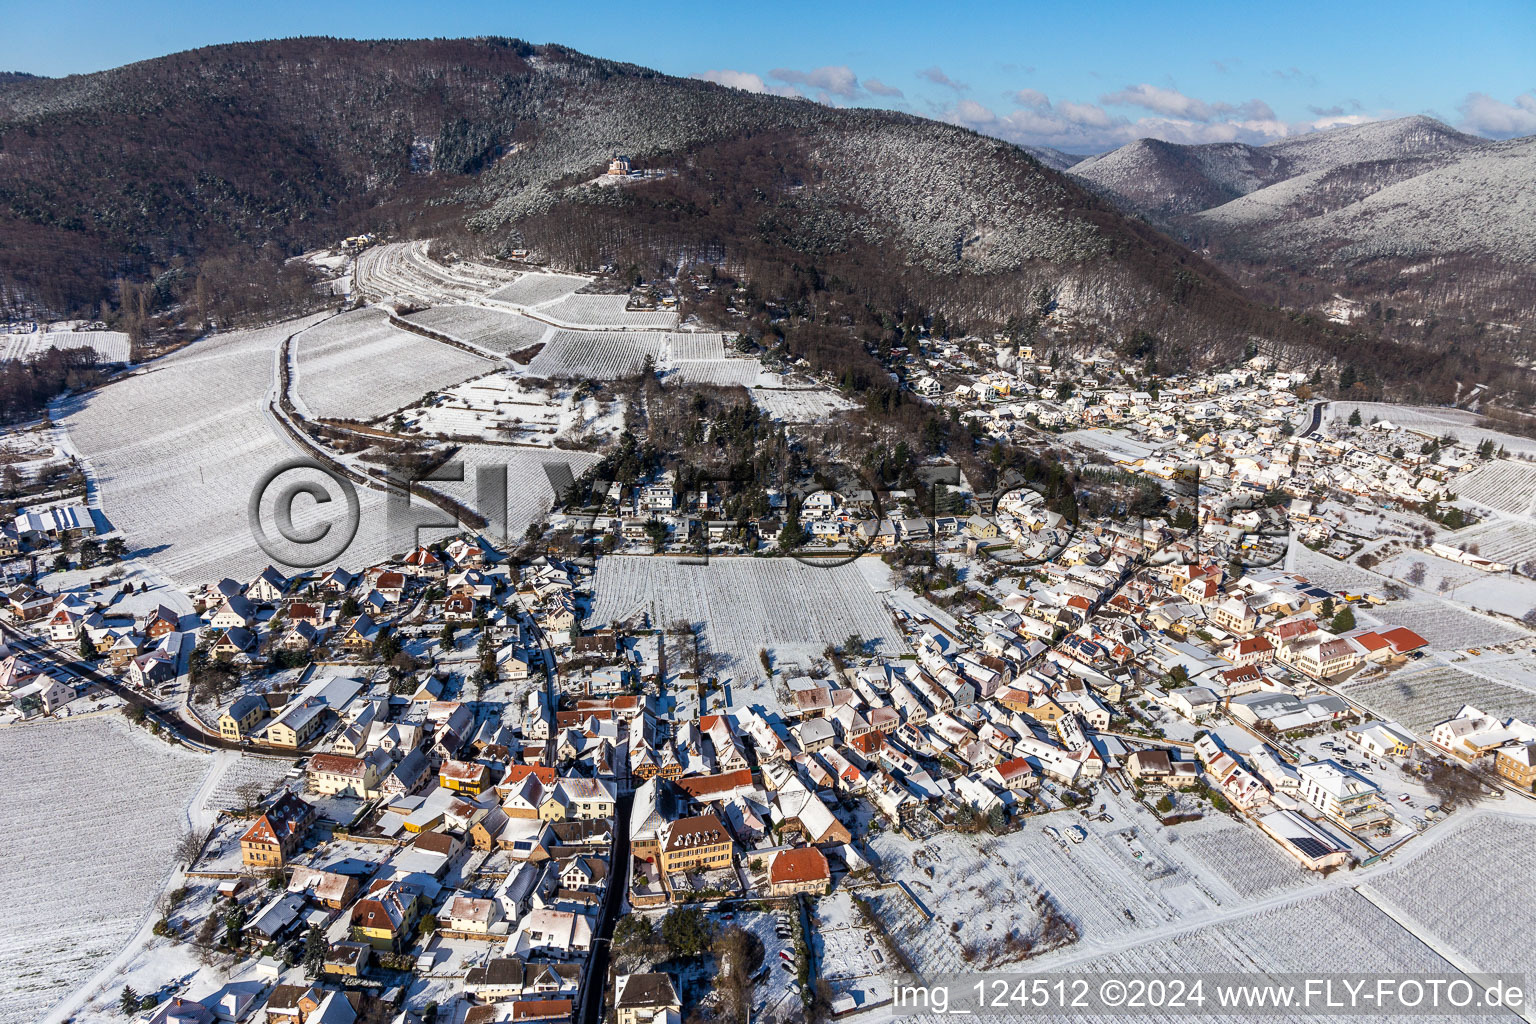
(1055, 159)
(194, 171)
(1406, 214)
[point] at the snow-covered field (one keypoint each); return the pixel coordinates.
(110, 346)
(358, 366)
(175, 453)
(1422, 696)
(1338, 931)
(1469, 891)
(532, 289)
(93, 810)
(1113, 443)
(1504, 484)
(404, 271)
(605, 311)
(494, 329)
(1431, 421)
(719, 372)
(501, 407)
(1503, 540)
(745, 605)
(529, 493)
(1505, 593)
(596, 355)
(799, 405)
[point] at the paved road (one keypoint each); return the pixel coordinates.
(183, 729)
(594, 983)
(1316, 420)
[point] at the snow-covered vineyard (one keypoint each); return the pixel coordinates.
(359, 366)
(81, 864)
(746, 605)
(110, 346)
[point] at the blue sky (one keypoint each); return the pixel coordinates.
(1050, 74)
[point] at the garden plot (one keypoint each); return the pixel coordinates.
(1460, 892)
(358, 366)
(596, 355)
(746, 605)
(501, 407)
(1421, 697)
(1504, 485)
(175, 453)
(93, 812)
(799, 405)
(491, 329)
(533, 289)
(987, 886)
(605, 311)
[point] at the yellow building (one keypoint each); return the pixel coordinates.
(695, 844)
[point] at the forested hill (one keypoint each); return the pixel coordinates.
(216, 163)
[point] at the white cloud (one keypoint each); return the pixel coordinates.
(937, 76)
(1485, 115)
(1165, 101)
(1089, 128)
(879, 88)
(744, 80)
(834, 80)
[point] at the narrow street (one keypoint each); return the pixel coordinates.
(594, 982)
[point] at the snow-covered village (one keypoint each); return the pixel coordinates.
(773, 515)
(1260, 666)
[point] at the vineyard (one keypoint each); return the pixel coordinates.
(720, 372)
(596, 355)
(535, 289)
(1504, 485)
(175, 454)
(605, 311)
(979, 887)
(745, 605)
(690, 347)
(485, 328)
(110, 346)
(1462, 891)
(358, 366)
(93, 813)
(1421, 697)
(1503, 540)
(1338, 931)
(529, 495)
(799, 405)
(404, 272)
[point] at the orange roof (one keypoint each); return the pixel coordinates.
(803, 865)
(541, 1009)
(700, 786)
(518, 772)
(1404, 639)
(1372, 641)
